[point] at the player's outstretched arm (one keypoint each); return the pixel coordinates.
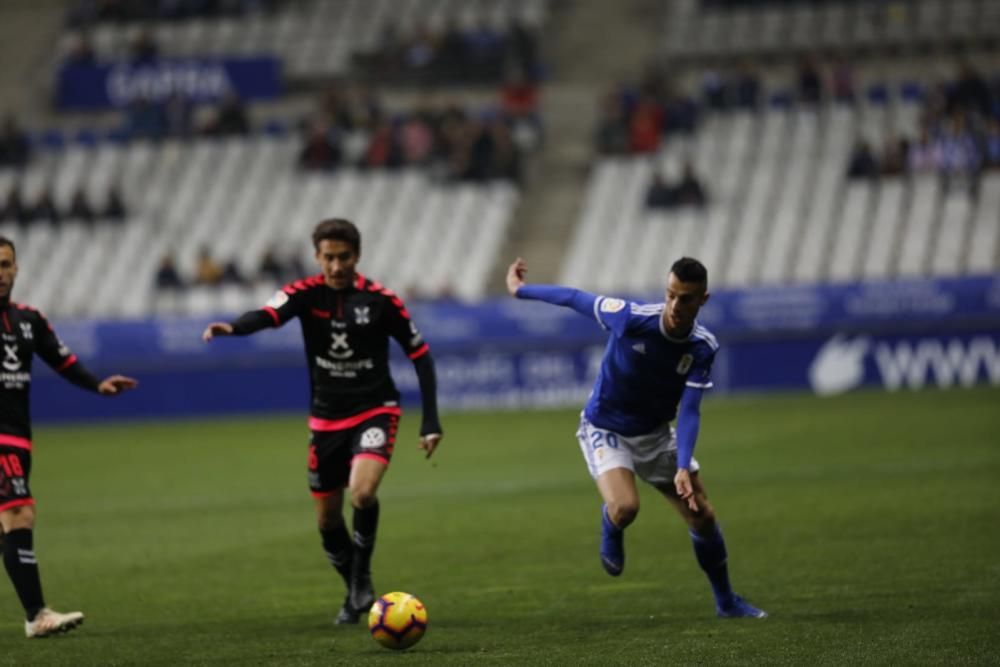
(217, 329)
(116, 384)
(580, 301)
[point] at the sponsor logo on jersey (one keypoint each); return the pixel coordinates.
(372, 438)
(10, 359)
(339, 347)
(361, 315)
(26, 330)
(612, 305)
(278, 300)
(684, 365)
(640, 348)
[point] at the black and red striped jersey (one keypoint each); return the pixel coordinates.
(25, 332)
(346, 334)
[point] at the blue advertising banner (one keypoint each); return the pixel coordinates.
(510, 353)
(103, 86)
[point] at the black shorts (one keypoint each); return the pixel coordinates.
(332, 452)
(15, 468)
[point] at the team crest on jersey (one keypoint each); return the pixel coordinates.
(26, 330)
(612, 305)
(685, 364)
(278, 300)
(361, 315)
(10, 359)
(339, 347)
(373, 438)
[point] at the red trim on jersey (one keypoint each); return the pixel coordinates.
(421, 351)
(6, 322)
(17, 503)
(66, 364)
(317, 424)
(274, 315)
(369, 455)
(359, 280)
(15, 441)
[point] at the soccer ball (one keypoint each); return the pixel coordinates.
(397, 620)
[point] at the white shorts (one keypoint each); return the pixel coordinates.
(652, 457)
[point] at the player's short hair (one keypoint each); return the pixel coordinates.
(690, 270)
(4, 241)
(337, 229)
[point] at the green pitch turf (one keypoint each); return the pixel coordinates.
(867, 525)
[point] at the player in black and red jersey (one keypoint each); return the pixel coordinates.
(25, 332)
(347, 320)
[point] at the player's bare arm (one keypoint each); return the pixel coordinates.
(515, 275)
(217, 329)
(116, 384)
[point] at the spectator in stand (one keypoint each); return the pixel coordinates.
(416, 140)
(383, 148)
(229, 119)
(484, 48)
(322, 150)
(506, 159)
(991, 144)
(924, 154)
(522, 50)
(746, 86)
(178, 115)
(15, 149)
(81, 51)
(15, 210)
(843, 82)
(271, 269)
(146, 120)
(115, 209)
(611, 137)
(80, 208)
(810, 82)
(231, 274)
(659, 194)
(960, 158)
(207, 271)
(862, 163)
(646, 126)
(970, 93)
(167, 277)
(895, 157)
(144, 49)
(519, 103)
(690, 191)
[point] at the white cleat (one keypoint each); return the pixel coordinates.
(48, 622)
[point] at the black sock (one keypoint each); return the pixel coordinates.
(365, 525)
(338, 548)
(22, 568)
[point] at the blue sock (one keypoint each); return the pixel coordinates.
(609, 525)
(711, 554)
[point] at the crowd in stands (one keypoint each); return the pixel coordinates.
(44, 209)
(211, 272)
(178, 118)
(352, 128)
(84, 13)
(959, 136)
(453, 55)
(688, 190)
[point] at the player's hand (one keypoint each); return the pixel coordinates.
(515, 275)
(116, 384)
(682, 482)
(429, 442)
(216, 329)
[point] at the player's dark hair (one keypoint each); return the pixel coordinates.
(690, 270)
(338, 229)
(4, 241)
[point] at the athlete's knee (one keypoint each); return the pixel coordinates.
(623, 512)
(363, 495)
(703, 521)
(329, 520)
(16, 518)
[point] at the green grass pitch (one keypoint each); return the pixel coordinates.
(867, 525)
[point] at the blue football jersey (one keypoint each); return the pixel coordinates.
(644, 371)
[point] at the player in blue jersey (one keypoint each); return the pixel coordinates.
(656, 367)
